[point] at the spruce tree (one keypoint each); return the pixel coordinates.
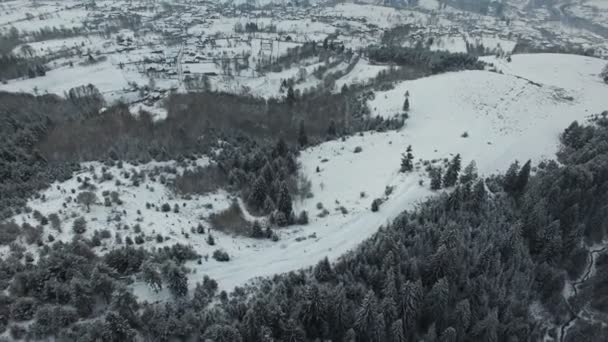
(451, 174)
(366, 316)
(469, 173)
(291, 96)
(407, 160)
(176, 279)
(331, 130)
(323, 271)
(151, 276)
(510, 178)
(397, 333)
(406, 104)
(281, 148)
(435, 175)
(523, 176)
(258, 192)
(256, 230)
(284, 203)
(302, 137)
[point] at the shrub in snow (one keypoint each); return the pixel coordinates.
(105, 234)
(79, 226)
(139, 239)
(115, 198)
(358, 149)
(220, 255)
(303, 217)
(323, 213)
(165, 208)
(256, 230)
(376, 204)
(281, 219)
(210, 240)
(200, 229)
(55, 222)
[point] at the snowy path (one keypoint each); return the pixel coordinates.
(590, 271)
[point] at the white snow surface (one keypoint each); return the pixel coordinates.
(515, 115)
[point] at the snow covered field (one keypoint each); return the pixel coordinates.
(516, 114)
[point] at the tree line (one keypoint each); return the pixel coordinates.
(463, 266)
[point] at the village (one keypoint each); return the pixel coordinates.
(137, 52)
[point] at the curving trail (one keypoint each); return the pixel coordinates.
(589, 272)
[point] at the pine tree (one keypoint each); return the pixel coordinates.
(293, 332)
(176, 279)
(268, 173)
(312, 311)
(437, 300)
(451, 174)
(523, 176)
(102, 283)
(406, 104)
(486, 329)
(284, 204)
(331, 130)
(81, 297)
(463, 315)
(302, 137)
(258, 192)
(365, 318)
(510, 178)
(397, 333)
(117, 328)
(291, 96)
(344, 89)
(269, 205)
(152, 277)
(323, 271)
(407, 160)
(470, 173)
(435, 175)
(256, 230)
(125, 303)
(411, 294)
(448, 335)
(350, 336)
(281, 149)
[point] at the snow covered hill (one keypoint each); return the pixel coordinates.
(516, 114)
